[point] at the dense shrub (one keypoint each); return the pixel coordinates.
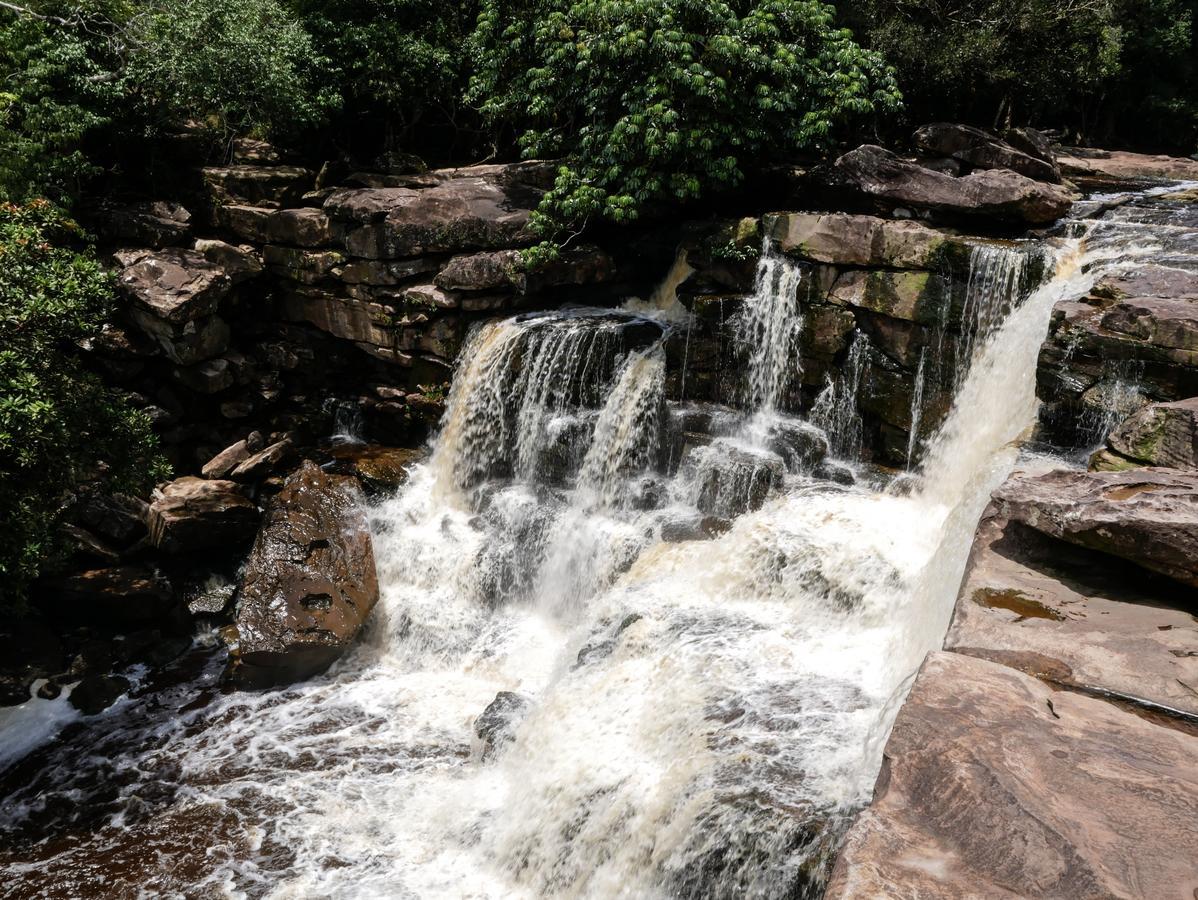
(60, 427)
(648, 101)
(1121, 70)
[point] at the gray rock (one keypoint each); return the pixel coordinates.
(309, 583)
(96, 693)
(174, 285)
(851, 240)
(496, 725)
(239, 263)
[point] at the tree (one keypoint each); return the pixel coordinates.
(400, 65)
(60, 427)
(647, 101)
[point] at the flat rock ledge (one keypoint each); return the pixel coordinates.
(309, 584)
(996, 785)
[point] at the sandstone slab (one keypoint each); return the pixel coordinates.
(309, 585)
(852, 240)
(174, 285)
(995, 785)
(1160, 434)
(1147, 516)
(1076, 617)
(1122, 165)
(982, 150)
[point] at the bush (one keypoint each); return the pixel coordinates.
(237, 65)
(649, 101)
(60, 427)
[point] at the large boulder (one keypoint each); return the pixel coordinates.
(192, 515)
(309, 584)
(464, 213)
(996, 194)
(1160, 434)
(995, 785)
(982, 150)
(1148, 516)
(174, 285)
(1119, 165)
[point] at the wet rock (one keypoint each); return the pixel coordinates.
(602, 648)
(269, 186)
(1160, 434)
(727, 480)
(192, 515)
(148, 223)
(996, 785)
(96, 693)
(800, 444)
(309, 583)
(382, 468)
(497, 724)
(851, 240)
(29, 650)
(1147, 516)
(982, 150)
(996, 194)
(1078, 617)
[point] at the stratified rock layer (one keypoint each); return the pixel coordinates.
(996, 785)
(309, 584)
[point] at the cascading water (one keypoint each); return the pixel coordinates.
(692, 719)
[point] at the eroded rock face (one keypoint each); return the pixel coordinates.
(309, 584)
(192, 515)
(996, 194)
(996, 785)
(1147, 516)
(982, 150)
(1161, 434)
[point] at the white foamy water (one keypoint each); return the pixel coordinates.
(700, 718)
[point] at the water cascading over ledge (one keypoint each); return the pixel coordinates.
(688, 675)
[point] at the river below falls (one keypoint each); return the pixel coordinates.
(696, 718)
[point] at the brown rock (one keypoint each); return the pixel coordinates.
(1120, 165)
(1148, 281)
(1148, 516)
(192, 514)
(995, 785)
(995, 194)
(982, 150)
(174, 285)
(227, 460)
(240, 263)
(1081, 617)
(478, 271)
(1161, 434)
(264, 462)
(305, 227)
(850, 240)
(310, 582)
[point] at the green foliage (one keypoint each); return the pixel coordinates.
(239, 65)
(649, 101)
(54, 90)
(394, 61)
(1099, 67)
(60, 427)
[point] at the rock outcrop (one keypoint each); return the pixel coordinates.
(194, 515)
(981, 150)
(997, 195)
(997, 785)
(1160, 434)
(1147, 516)
(309, 584)
(1119, 165)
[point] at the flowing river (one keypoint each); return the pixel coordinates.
(665, 716)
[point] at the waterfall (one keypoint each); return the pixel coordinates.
(692, 718)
